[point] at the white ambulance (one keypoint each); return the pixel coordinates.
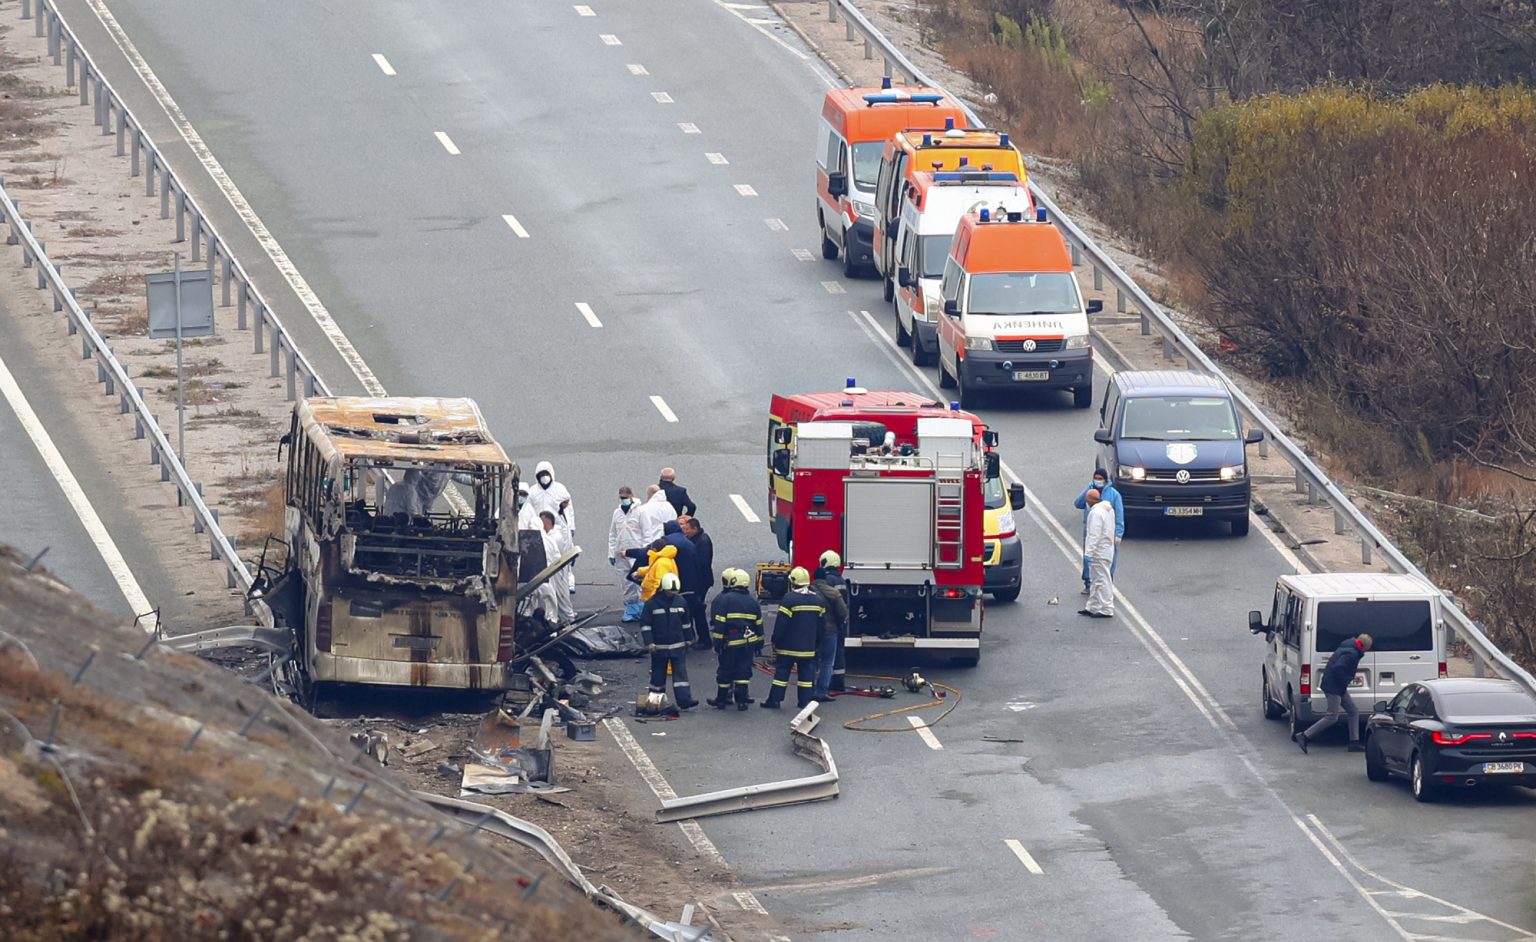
(932, 205)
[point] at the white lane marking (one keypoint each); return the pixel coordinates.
(716, 158)
(746, 900)
(804, 255)
(384, 65)
(1172, 665)
(688, 127)
(745, 508)
(835, 287)
(610, 40)
(636, 68)
(760, 25)
(75, 494)
(663, 408)
(583, 10)
(447, 142)
(1024, 856)
(586, 311)
(925, 733)
(516, 226)
(777, 225)
(226, 185)
(745, 189)
(662, 98)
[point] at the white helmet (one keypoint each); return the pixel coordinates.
(670, 582)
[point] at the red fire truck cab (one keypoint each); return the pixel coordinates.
(893, 482)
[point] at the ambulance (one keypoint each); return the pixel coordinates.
(1013, 316)
(918, 150)
(855, 125)
(932, 206)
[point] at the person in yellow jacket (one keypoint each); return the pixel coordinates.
(658, 562)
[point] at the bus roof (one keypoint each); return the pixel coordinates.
(427, 430)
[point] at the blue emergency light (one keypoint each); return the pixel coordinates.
(986, 216)
(1003, 140)
(885, 81)
(963, 162)
(927, 140)
(851, 383)
(973, 176)
(949, 124)
(954, 406)
(897, 97)
(1040, 214)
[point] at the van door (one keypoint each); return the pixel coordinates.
(1404, 648)
(1290, 646)
(887, 220)
(1274, 651)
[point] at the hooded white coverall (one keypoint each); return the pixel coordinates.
(542, 498)
(654, 514)
(1099, 548)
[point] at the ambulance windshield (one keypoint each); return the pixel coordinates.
(866, 164)
(1024, 293)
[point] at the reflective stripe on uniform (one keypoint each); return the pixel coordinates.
(794, 653)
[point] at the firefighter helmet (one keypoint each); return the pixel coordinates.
(670, 582)
(799, 578)
(740, 579)
(830, 560)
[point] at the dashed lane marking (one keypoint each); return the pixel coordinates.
(447, 142)
(836, 287)
(75, 494)
(804, 255)
(745, 189)
(586, 312)
(514, 225)
(384, 65)
(610, 40)
(745, 508)
(663, 408)
(583, 10)
(636, 68)
(662, 98)
(777, 225)
(717, 159)
(925, 732)
(688, 127)
(1024, 856)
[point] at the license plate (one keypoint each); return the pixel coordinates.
(1183, 511)
(1033, 376)
(1496, 768)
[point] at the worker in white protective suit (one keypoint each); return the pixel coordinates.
(417, 491)
(548, 494)
(1099, 555)
(624, 535)
(557, 542)
(527, 516)
(654, 514)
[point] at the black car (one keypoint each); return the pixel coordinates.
(1452, 733)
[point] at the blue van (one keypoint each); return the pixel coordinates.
(1172, 443)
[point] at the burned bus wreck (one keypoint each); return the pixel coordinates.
(401, 545)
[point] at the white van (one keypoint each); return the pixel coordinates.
(931, 208)
(1314, 613)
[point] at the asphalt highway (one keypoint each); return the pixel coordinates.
(663, 178)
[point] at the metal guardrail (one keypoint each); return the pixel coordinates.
(1310, 479)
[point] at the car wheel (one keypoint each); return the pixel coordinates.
(1007, 595)
(1423, 788)
(1375, 769)
(851, 269)
(890, 290)
(946, 381)
(1240, 526)
(1082, 397)
(1272, 709)
(903, 336)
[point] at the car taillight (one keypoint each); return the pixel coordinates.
(1441, 739)
(1525, 735)
(323, 627)
(1442, 670)
(1306, 680)
(952, 593)
(504, 638)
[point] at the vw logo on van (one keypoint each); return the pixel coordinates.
(1182, 476)
(1029, 346)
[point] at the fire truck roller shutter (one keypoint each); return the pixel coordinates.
(888, 522)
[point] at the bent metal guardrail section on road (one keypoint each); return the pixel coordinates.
(1309, 477)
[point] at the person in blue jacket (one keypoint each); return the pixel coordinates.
(1337, 677)
(1107, 492)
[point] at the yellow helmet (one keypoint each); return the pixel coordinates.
(830, 560)
(670, 582)
(799, 578)
(739, 579)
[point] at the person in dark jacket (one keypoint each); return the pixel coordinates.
(1336, 679)
(704, 551)
(677, 495)
(800, 622)
(665, 628)
(736, 622)
(828, 583)
(694, 586)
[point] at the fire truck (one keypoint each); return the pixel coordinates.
(895, 483)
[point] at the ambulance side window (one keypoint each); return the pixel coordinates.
(826, 147)
(834, 155)
(907, 251)
(950, 287)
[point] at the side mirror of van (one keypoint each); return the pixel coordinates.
(781, 435)
(1253, 436)
(1256, 623)
(837, 184)
(1103, 437)
(1016, 496)
(1094, 307)
(989, 438)
(904, 277)
(781, 462)
(952, 308)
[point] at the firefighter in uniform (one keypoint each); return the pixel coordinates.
(736, 622)
(796, 632)
(830, 669)
(666, 630)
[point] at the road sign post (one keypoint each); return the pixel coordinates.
(180, 306)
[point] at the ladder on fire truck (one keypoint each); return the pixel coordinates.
(949, 464)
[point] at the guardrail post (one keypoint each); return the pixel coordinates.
(831, 10)
(85, 83)
(849, 24)
(1339, 526)
(1098, 278)
(100, 98)
(138, 144)
(197, 236)
(1264, 447)
(1479, 666)
(293, 367)
(260, 325)
(1301, 482)
(1077, 254)
(869, 51)
(213, 543)
(149, 169)
(165, 191)
(1167, 347)
(69, 65)
(138, 420)
(197, 520)
(240, 317)
(106, 377)
(1120, 306)
(277, 349)
(226, 271)
(1365, 551)
(1311, 493)
(122, 131)
(39, 17)
(229, 573)
(55, 40)
(154, 451)
(181, 216)
(42, 279)
(887, 70)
